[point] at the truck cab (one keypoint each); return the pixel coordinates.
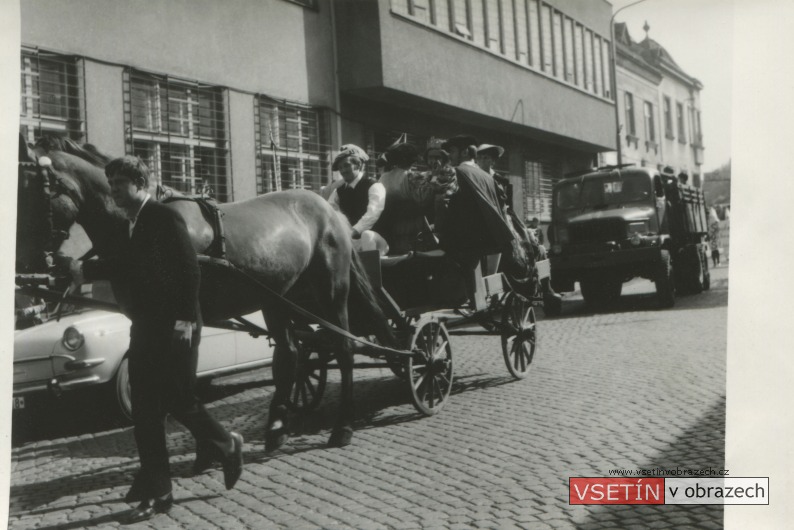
(617, 223)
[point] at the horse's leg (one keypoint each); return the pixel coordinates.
(331, 282)
(284, 365)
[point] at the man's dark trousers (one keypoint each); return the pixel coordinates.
(162, 377)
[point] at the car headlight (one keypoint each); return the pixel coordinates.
(562, 235)
(72, 339)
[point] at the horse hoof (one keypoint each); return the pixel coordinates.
(275, 439)
(341, 437)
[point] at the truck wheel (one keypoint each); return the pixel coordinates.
(665, 284)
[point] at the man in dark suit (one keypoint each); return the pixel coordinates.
(471, 223)
(156, 276)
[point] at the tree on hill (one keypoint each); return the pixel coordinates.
(717, 185)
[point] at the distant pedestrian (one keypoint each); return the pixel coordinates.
(683, 178)
(714, 236)
(534, 224)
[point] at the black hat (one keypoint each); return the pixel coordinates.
(401, 155)
(460, 141)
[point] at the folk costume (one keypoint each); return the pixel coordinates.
(157, 268)
(409, 197)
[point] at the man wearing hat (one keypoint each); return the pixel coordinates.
(360, 198)
(470, 222)
(487, 155)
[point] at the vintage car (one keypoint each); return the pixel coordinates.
(88, 347)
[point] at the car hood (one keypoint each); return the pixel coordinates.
(41, 339)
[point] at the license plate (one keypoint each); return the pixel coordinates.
(19, 402)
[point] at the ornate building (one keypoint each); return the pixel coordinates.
(658, 108)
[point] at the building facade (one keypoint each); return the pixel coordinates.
(243, 97)
(658, 108)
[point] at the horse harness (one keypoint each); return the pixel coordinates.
(212, 214)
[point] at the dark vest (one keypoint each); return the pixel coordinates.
(353, 202)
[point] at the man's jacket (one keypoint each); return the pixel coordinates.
(155, 273)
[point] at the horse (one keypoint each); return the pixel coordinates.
(293, 242)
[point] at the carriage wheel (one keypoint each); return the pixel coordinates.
(310, 378)
(518, 334)
(430, 368)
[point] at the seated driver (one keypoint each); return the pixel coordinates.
(360, 199)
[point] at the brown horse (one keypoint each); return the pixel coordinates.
(293, 242)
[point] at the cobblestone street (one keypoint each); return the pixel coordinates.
(634, 387)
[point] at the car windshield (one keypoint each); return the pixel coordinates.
(603, 192)
(30, 311)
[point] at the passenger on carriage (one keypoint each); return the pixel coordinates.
(470, 222)
(360, 199)
(487, 155)
(409, 198)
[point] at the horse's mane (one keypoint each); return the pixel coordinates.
(87, 152)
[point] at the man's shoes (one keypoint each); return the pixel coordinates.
(233, 464)
(149, 508)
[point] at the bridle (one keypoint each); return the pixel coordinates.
(50, 187)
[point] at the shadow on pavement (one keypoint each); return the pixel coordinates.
(700, 446)
(717, 296)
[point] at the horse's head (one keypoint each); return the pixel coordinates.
(60, 183)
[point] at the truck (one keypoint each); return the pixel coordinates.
(616, 223)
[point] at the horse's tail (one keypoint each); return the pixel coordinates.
(364, 309)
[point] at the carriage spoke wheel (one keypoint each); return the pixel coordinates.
(518, 335)
(310, 378)
(430, 368)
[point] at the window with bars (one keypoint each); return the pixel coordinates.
(52, 95)
(579, 52)
(607, 60)
(538, 184)
(570, 63)
(534, 33)
(179, 129)
(599, 78)
(292, 146)
(588, 61)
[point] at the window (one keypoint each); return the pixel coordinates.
(559, 56)
(629, 106)
(52, 96)
(570, 64)
(441, 9)
(588, 60)
(607, 59)
(650, 126)
(579, 51)
(538, 184)
(534, 33)
(292, 146)
(668, 118)
(597, 65)
(679, 116)
(179, 129)
(419, 9)
(493, 36)
(508, 28)
(546, 46)
(522, 31)
(461, 18)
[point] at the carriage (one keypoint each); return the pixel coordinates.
(410, 301)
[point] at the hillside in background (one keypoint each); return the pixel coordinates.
(717, 185)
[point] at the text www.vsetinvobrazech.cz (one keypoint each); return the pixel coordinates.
(669, 472)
